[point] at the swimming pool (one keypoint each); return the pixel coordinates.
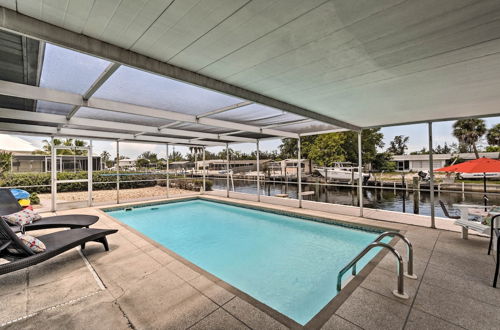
(285, 262)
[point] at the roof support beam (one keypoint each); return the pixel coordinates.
(52, 95)
(95, 86)
(295, 122)
(337, 130)
(224, 109)
(55, 131)
(95, 123)
(169, 125)
(14, 22)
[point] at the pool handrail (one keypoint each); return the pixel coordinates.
(400, 290)
(409, 251)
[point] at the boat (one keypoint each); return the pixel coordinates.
(342, 171)
(490, 175)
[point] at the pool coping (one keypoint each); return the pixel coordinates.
(320, 318)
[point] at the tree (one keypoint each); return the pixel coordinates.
(442, 150)
(175, 156)
(468, 132)
(493, 137)
(383, 162)
(147, 158)
(47, 147)
(106, 158)
(399, 145)
(327, 149)
(5, 161)
(151, 156)
(288, 147)
(371, 139)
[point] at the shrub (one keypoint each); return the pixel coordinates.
(102, 180)
(188, 184)
(34, 199)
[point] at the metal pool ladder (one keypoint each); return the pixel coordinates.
(400, 293)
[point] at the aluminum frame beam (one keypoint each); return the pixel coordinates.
(96, 123)
(224, 109)
(103, 77)
(15, 22)
(336, 130)
(53, 95)
(431, 174)
(295, 122)
(56, 131)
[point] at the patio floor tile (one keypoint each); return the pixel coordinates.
(210, 289)
(370, 310)
(167, 304)
(336, 323)
(63, 290)
(94, 312)
(384, 282)
(419, 320)
(459, 309)
(251, 316)
(220, 319)
(475, 287)
(13, 305)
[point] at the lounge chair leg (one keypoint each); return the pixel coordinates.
(465, 233)
(104, 242)
(82, 246)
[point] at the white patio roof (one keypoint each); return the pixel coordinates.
(241, 70)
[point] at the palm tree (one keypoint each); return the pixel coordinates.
(493, 137)
(196, 151)
(468, 132)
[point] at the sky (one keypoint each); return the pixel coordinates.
(417, 133)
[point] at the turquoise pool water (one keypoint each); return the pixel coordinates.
(287, 263)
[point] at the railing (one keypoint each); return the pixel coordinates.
(401, 199)
(409, 251)
(400, 293)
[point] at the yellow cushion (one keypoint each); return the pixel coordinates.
(24, 202)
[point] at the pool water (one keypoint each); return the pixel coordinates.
(287, 263)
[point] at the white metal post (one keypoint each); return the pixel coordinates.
(168, 174)
(53, 175)
(90, 168)
(227, 170)
(431, 181)
(258, 172)
(360, 175)
(117, 172)
(299, 172)
(204, 170)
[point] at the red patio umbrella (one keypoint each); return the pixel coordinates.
(481, 165)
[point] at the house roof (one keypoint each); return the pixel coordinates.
(14, 144)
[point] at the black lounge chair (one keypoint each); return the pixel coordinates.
(56, 243)
(496, 231)
(9, 205)
(446, 213)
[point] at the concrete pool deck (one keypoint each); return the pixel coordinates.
(140, 285)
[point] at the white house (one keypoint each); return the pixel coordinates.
(417, 163)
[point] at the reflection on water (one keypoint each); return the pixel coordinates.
(385, 199)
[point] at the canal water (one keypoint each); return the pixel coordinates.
(385, 199)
